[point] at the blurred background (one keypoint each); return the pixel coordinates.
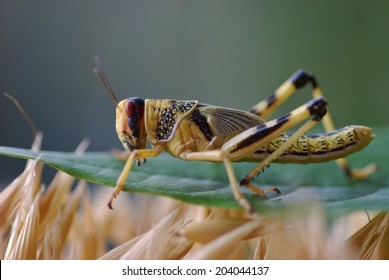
(228, 53)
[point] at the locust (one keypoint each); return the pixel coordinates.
(193, 131)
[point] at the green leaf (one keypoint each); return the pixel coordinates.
(206, 183)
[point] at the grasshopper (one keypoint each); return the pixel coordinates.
(190, 130)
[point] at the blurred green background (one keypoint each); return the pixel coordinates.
(228, 53)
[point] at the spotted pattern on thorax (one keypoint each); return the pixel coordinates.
(169, 117)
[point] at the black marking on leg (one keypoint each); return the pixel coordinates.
(276, 190)
(284, 118)
(140, 161)
(347, 171)
(271, 99)
(262, 131)
(302, 77)
(317, 107)
(246, 180)
(269, 102)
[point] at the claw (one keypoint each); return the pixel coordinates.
(109, 204)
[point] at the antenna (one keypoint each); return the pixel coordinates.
(100, 74)
(24, 113)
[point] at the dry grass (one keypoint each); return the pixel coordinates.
(63, 221)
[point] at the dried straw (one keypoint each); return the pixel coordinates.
(69, 220)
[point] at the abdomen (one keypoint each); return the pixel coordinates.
(319, 147)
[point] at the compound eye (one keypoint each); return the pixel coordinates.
(130, 108)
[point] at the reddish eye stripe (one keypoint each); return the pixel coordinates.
(129, 108)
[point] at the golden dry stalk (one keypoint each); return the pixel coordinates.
(66, 222)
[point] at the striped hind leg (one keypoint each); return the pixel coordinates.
(298, 80)
(249, 141)
(257, 137)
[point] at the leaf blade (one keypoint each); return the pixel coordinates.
(206, 183)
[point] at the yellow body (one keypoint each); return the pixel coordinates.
(193, 131)
(186, 137)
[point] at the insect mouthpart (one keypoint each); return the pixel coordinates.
(128, 142)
